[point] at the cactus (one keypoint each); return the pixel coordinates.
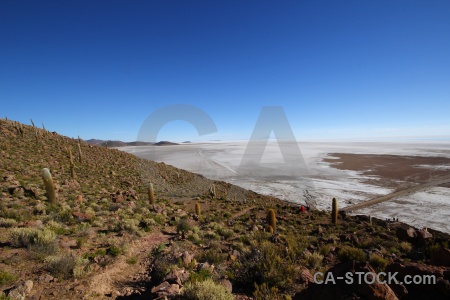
(49, 186)
(79, 151)
(270, 229)
(151, 194)
(212, 191)
(32, 122)
(72, 165)
(198, 209)
(272, 219)
(334, 211)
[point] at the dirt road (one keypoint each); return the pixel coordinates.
(435, 182)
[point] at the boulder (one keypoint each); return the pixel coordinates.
(227, 284)
(343, 290)
(441, 257)
(21, 291)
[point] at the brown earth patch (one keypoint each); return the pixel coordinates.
(390, 169)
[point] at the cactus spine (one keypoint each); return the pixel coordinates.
(198, 209)
(151, 194)
(272, 219)
(49, 186)
(334, 211)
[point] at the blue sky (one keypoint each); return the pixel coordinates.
(340, 69)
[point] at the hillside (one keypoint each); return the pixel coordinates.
(103, 239)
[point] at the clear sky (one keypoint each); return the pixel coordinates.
(340, 69)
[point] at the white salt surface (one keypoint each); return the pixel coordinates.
(312, 177)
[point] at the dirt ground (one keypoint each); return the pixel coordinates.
(392, 171)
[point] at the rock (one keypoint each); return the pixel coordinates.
(21, 291)
(227, 284)
(174, 289)
(306, 277)
(82, 217)
(178, 276)
(423, 236)
(406, 234)
(34, 224)
(441, 257)
(187, 258)
(420, 291)
(343, 290)
(205, 266)
(46, 278)
(161, 287)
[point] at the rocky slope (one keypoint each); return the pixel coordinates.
(103, 239)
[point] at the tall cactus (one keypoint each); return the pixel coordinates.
(72, 165)
(272, 219)
(212, 191)
(80, 158)
(49, 186)
(151, 194)
(198, 209)
(334, 211)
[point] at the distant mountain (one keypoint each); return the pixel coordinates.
(110, 143)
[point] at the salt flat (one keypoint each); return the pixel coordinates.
(311, 179)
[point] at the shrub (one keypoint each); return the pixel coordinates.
(314, 260)
(114, 250)
(405, 247)
(132, 260)
(26, 237)
(183, 225)
(377, 262)
(206, 290)
(212, 256)
(350, 253)
(6, 277)
(263, 292)
(67, 266)
(7, 222)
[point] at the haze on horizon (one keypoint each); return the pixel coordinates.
(340, 70)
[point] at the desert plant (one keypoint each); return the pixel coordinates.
(6, 277)
(206, 290)
(49, 186)
(272, 219)
(377, 262)
(212, 191)
(67, 266)
(313, 259)
(350, 253)
(7, 222)
(72, 165)
(79, 151)
(263, 292)
(197, 208)
(151, 194)
(334, 211)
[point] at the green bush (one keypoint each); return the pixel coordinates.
(205, 290)
(114, 250)
(349, 253)
(6, 277)
(212, 256)
(7, 222)
(377, 262)
(314, 260)
(27, 237)
(67, 266)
